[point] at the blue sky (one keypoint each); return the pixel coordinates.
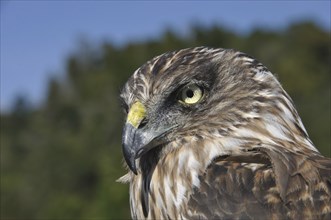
(37, 36)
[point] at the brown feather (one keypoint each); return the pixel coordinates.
(230, 189)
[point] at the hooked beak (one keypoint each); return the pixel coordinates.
(133, 139)
(138, 140)
(131, 143)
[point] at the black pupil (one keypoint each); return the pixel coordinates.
(189, 93)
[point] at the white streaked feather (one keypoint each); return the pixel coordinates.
(195, 179)
(124, 179)
(181, 191)
(276, 130)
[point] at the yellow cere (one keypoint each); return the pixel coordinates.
(191, 94)
(136, 114)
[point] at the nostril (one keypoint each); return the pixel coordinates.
(142, 123)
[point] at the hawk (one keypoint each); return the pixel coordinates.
(211, 134)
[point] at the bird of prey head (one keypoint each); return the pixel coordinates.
(210, 133)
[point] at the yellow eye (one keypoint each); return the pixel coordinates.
(190, 94)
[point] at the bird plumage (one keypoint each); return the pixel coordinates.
(237, 151)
